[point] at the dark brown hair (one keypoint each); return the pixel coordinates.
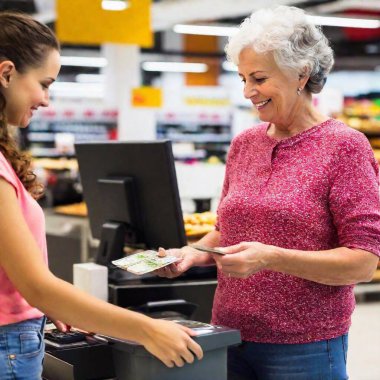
(26, 43)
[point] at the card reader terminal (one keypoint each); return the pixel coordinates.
(132, 361)
(65, 337)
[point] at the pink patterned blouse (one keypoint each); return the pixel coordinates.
(314, 191)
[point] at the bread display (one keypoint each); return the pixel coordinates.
(76, 209)
(199, 224)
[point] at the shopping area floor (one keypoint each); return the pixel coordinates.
(364, 342)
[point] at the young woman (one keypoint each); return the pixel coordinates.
(29, 64)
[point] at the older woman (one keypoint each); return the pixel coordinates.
(299, 215)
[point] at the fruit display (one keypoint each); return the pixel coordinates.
(362, 114)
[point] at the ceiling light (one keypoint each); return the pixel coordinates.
(115, 5)
(84, 61)
(180, 67)
(77, 90)
(227, 31)
(205, 30)
(90, 78)
(229, 66)
(345, 22)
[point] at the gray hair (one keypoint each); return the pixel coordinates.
(295, 42)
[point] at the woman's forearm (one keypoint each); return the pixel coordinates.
(339, 266)
(86, 312)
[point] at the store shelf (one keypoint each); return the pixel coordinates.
(363, 115)
(200, 138)
(210, 131)
(42, 152)
(78, 124)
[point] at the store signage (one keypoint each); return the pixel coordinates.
(99, 21)
(146, 97)
(202, 101)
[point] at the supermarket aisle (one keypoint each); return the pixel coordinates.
(364, 342)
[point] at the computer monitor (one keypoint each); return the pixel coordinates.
(131, 192)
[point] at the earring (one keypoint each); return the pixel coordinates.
(299, 89)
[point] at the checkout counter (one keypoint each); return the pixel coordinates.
(106, 358)
(189, 297)
(102, 358)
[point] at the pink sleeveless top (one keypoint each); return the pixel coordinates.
(13, 307)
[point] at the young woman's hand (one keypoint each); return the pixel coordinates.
(63, 327)
(171, 343)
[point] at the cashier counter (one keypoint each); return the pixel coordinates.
(102, 357)
(186, 300)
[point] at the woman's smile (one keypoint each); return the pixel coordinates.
(260, 105)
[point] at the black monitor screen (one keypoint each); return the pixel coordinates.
(135, 184)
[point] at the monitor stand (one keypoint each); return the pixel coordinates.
(111, 248)
(112, 243)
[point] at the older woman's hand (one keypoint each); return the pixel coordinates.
(244, 259)
(189, 257)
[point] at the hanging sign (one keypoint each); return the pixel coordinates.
(102, 21)
(146, 97)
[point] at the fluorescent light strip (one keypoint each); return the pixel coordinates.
(205, 30)
(77, 90)
(84, 61)
(115, 5)
(179, 67)
(226, 31)
(90, 78)
(73, 86)
(345, 22)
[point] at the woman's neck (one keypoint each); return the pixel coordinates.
(303, 119)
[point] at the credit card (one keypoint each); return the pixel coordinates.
(207, 249)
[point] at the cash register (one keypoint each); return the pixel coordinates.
(132, 197)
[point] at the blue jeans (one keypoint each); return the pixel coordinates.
(22, 350)
(324, 360)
